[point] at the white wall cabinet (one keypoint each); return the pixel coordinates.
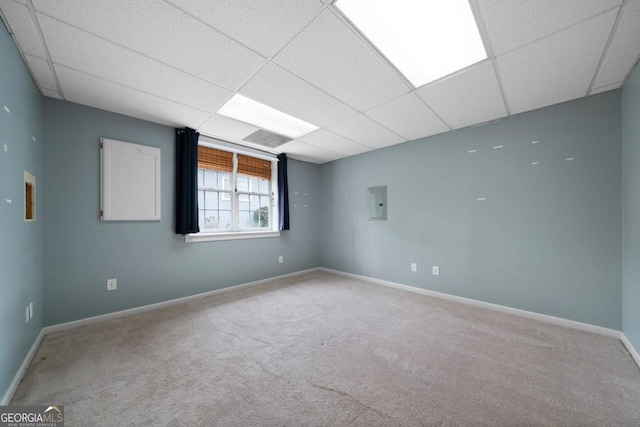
(130, 181)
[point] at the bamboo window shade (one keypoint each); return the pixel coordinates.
(252, 166)
(213, 159)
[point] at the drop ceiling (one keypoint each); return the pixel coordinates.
(176, 62)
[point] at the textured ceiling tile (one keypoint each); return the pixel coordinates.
(23, 28)
(322, 138)
(94, 92)
(76, 49)
(226, 128)
(557, 68)
(330, 56)
(308, 153)
(286, 92)
(466, 98)
(624, 49)
(160, 31)
(247, 21)
(43, 74)
(362, 129)
(408, 117)
(512, 23)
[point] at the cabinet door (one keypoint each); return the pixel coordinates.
(130, 181)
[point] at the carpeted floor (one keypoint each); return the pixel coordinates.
(319, 350)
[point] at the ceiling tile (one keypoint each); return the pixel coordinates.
(557, 68)
(409, 117)
(513, 23)
(76, 49)
(330, 56)
(247, 21)
(362, 129)
(88, 90)
(624, 49)
(22, 26)
(322, 138)
(160, 31)
(308, 153)
(226, 128)
(469, 97)
(41, 71)
(286, 92)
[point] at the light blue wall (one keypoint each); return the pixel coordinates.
(20, 241)
(151, 263)
(631, 208)
(546, 239)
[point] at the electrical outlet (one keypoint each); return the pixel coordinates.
(31, 310)
(414, 267)
(435, 270)
(280, 259)
(112, 284)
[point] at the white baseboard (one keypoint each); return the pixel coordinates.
(495, 307)
(632, 351)
(142, 309)
(21, 370)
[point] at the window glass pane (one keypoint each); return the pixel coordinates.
(264, 211)
(209, 179)
(264, 217)
(211, 219)
(225, 220)
(254, 202)
(224, 201)
(243, 202)
(243, 183)
(246, 219)
(264, 186)
(201, 199)
(211, 199)
(201, 219)
(200, 177)
(224, 181)
(254, 187)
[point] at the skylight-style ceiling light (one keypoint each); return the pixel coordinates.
(249, 111)
(424, 39)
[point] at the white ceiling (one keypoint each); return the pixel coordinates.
(176, 62)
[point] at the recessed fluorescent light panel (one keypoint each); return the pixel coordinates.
(249, 111)
(424, 39)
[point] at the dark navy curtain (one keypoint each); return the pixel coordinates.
(283, 192)
(187, 181)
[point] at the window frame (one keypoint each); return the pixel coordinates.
(238, 233)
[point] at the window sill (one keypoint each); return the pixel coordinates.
(212, 237)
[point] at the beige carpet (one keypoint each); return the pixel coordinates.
(321, 350)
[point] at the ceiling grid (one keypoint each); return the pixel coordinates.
(177, 62)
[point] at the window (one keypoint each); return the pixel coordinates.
(236, 194)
